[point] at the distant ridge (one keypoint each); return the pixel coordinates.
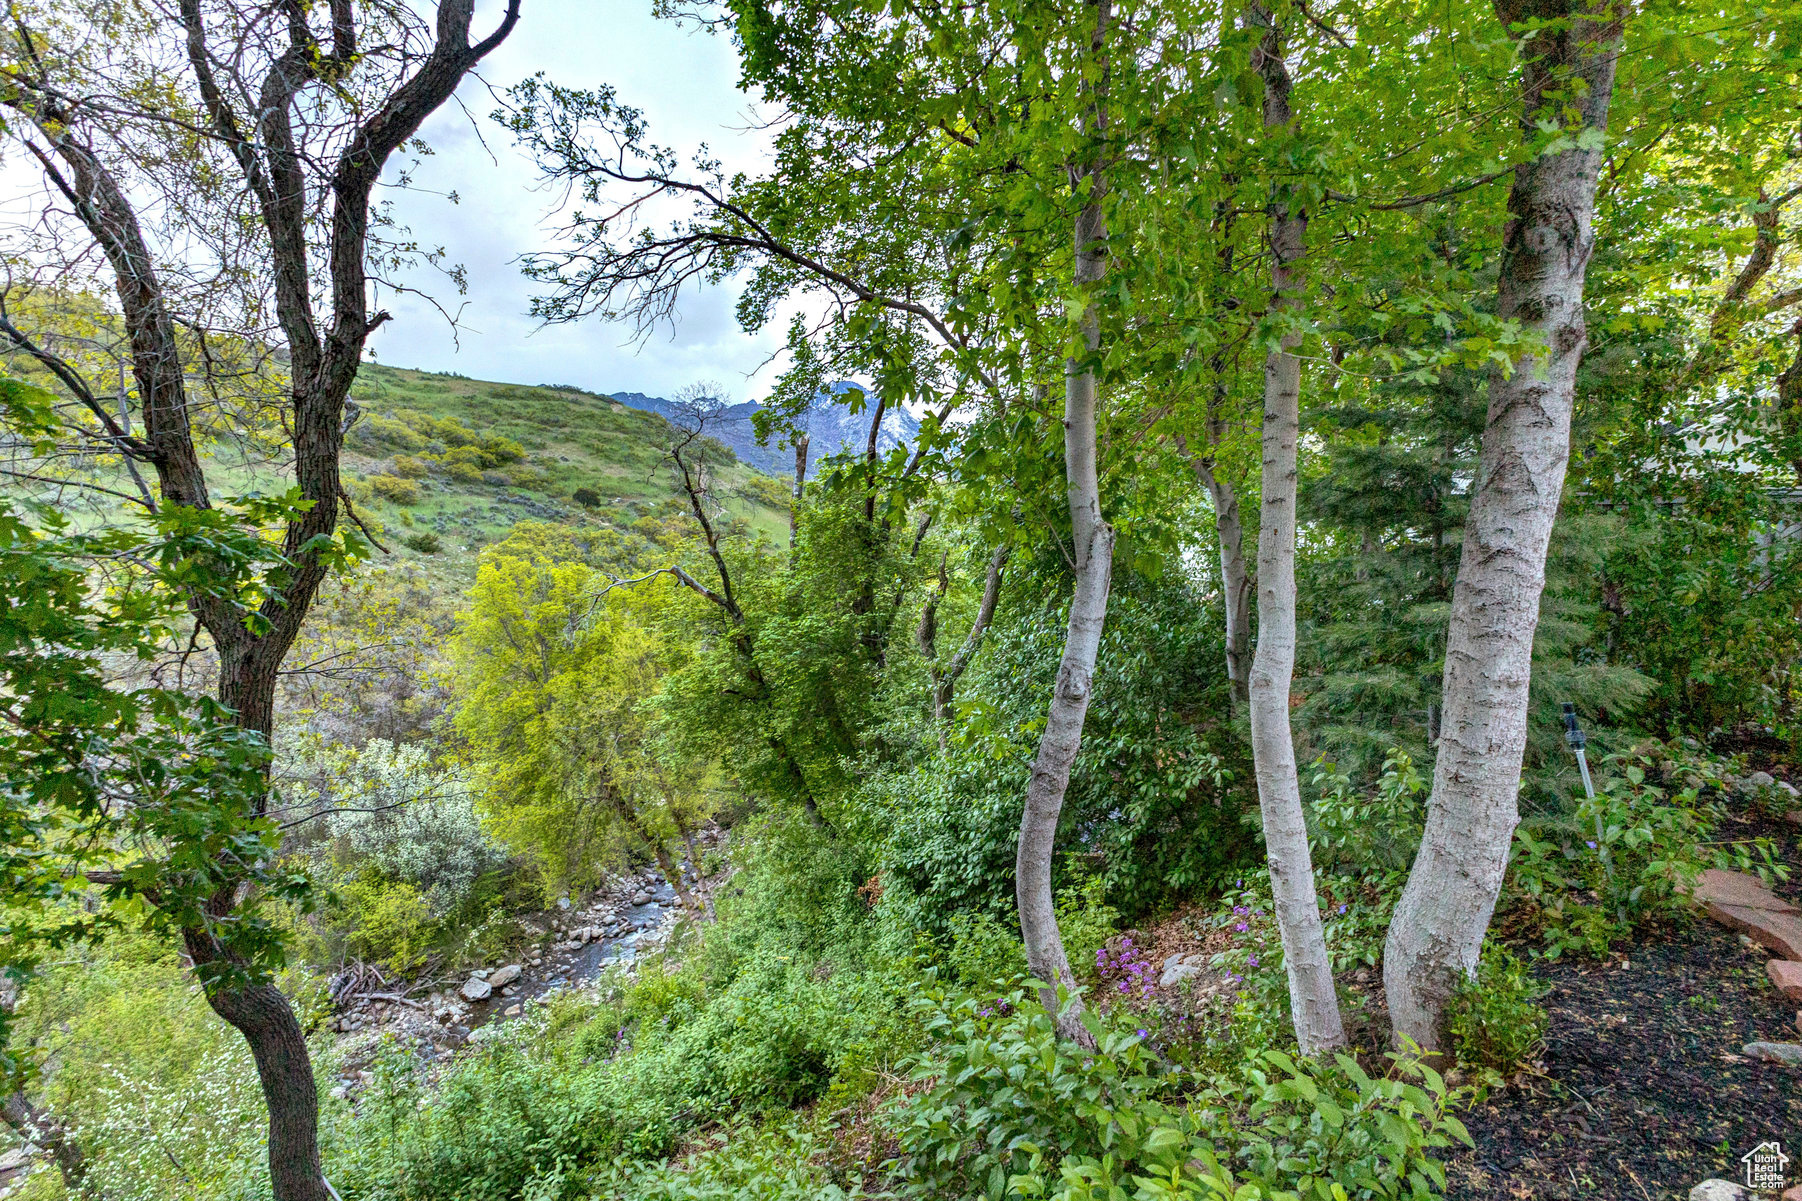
(831, 428)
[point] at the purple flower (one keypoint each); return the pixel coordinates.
(1241, 927)
(1236, 977)
(1141, 1034)
(1343, 908)
(1590, 845)
(1252, 960)
(1123, 986)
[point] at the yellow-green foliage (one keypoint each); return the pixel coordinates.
(411, 467)
(375, 429)
(161, 1094)
(394, 488)
(570, 765)
(386, 920)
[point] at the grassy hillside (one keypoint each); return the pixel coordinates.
(463, 460)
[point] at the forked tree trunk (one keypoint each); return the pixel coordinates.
(322, 365)
(1438, 928)
(1312, 999)
(1093, 546)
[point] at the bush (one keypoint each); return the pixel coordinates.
(409, 820)
(396, 489)
(1011, 1111)
(588, 498)
(410, 467)
(375, 431)
(1625, 857)
(424, 543)
(1495, 1020)
(985, 950)
(462, 471)
(386, 920)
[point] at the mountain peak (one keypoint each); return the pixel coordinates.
(831, 427)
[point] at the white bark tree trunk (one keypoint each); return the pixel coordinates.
(1312, 998)
(1235, 576)
(1093, 547)
(1439, 924)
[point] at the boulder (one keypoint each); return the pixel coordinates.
(476, 989)
(503, 976)
(641, 897)
(1776, 931)
(1718, 887)
(563, 902)
(511, 1011)
(1759, 780)
(1717, 1190)
(1178, 968)
(1774, 1052)
(1786, 974)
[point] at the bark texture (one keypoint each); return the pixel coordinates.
(944, 678)
(41, 1129)
(1093, 559)
(1312, 998)
(1235, 575)
(1439, 924)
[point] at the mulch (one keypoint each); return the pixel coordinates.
(1641, 1092)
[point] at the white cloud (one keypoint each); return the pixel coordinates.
(685, 81)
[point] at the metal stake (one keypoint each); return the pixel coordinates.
(1573, 734)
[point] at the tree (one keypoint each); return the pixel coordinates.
(302, 114)
(1567, 81)
(559, 675)
(1313, 1001)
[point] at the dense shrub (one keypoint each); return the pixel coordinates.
(395, 488)
(385, 920)
(410, 820)
(1011, 1111)
(1159, 802)
(1494, 1018)
(425, 543)
(1585, 878)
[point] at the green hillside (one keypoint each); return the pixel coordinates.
(462, 460)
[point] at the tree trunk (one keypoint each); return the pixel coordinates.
(794, 508)
(1235, 576)
(1093, 546)
(674, 875)
(40, 1129)
(262, 1014)
(944, 681)
(1312, 998)
(694, 860)
(1789, 408)
(1437, 931)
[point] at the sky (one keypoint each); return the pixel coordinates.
(684, 80)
